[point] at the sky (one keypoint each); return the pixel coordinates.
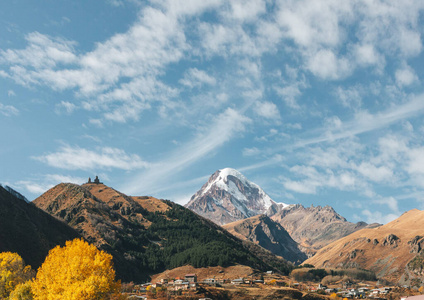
(318, 102)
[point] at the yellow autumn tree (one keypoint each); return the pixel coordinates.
(78, 271)
(22, 292)
(334, 296)
(12, 272)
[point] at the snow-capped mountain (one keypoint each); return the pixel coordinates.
(228, 196)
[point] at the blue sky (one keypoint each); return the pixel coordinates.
(318, 102)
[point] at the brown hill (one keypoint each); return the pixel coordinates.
(393, 251)
(315, 227)
(105, 217)
(146, 235)
(268, 234)
(204, 273)
(29, 231)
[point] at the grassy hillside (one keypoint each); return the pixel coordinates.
(146, 235)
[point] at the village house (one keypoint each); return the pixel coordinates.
(210, 281)
(183, 285)
(237, 281)
(191, 277)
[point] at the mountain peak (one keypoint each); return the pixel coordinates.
(229, 196)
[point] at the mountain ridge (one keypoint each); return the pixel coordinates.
(393, 251)
(146, 235)
(228, 196)
(268, 234)
(29, 231)
(315, 226)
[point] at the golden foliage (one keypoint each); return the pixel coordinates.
(22, 292)
(12, 272)
(334, 296)
(78, 271)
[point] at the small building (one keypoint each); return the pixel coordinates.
(237, 281)
(181, 285)
(347, 284)
(258, 281)
(210, 281)
(191, 277)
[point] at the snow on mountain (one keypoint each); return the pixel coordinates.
(229, 196)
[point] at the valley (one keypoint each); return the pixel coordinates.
(270, 250)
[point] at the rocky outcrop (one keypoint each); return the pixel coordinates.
(270, 235)
(416, 244)
(315, 226)
(391, 240)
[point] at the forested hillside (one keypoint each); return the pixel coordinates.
(146, 235)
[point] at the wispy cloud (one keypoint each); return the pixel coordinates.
(221, 130)
(76, 158)
(8, 110)
(65, 107)
(46, 182)
(364, 121)
(194, 77)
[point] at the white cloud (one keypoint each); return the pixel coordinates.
(267, 110)
(364, 121)
(222, 129)
(8, 110)
(405, 76)
(378, 217)
(350, 97)
(367, 55)
(194, 77)
(46, 182)
(11, 93)
(65, 107)
(374, 173)
(96, 122)
(391, 202)
(326, 65)
(315, 23)
(247, 10)
(42, 52)
(292, 86)
(251, 151)
(33, 187)
(76, 158)
(302, 187)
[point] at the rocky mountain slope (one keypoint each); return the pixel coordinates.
(145, 235)
(228, 196)
(270, 235)
(315, 227)
(29, 231)
(393, 251)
